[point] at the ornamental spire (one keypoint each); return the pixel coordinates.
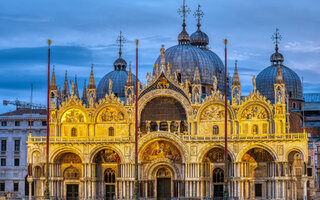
(196, 78)
(53, 84)
(65, 90)
(76, 91)
(84, 93)
(279, 77)
(121, 40)
(129, 79)
(92, 84)
(236, 79)
(198, 14)
(276, 37)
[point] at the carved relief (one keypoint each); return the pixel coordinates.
(162, 83)
(73, 116)
(254, 112)
(161, 149)
(213, 112)
(36, 157)
(71, 173)
(110, 114)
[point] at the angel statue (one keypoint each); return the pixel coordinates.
(254, 84)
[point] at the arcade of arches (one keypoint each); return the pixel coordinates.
(180, 151)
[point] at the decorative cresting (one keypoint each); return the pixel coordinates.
(161, 149)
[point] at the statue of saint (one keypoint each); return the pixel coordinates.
(215, 82)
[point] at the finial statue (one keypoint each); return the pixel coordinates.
(254, 84)
(215, 82)
(110, 86)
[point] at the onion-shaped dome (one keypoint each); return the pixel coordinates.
(199, 39)
(276, 58)
(267, 77)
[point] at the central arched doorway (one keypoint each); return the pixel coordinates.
(163, 177)
(106, 163)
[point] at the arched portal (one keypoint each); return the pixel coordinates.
(69, 166)
(106, 164)
(164, 114)
(163, 182)
(296, 170)
(258, 165)
(213, 167)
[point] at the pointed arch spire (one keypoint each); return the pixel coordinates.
(92, 83)
(236, 79)
(76, 91)
(129, 78)
(53, 84)
(84, 93)
(279, 77)
(65, 90)
(196, 78)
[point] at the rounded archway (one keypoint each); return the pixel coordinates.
(164, 114)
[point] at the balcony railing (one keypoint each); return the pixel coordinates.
(115, 139)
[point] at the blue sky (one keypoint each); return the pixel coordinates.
(85, 32)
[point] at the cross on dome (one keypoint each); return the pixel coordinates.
(121, 40)
(276, 37)
(198, 14)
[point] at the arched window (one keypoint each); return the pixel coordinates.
(111, 131)
(255, 129)
(293, 104)
(218, 176)
(215, 130)
(73, 132)
(110, 176)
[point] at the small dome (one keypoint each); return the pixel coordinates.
(267, 77)
(120, 64)
(276, 58)
(118, 78)
(199, 39)
(183, 37)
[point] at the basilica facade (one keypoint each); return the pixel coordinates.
(180, 133)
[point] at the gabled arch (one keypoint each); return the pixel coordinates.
(255, 103)
(76, 113)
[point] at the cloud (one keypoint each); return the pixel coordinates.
(305, 46)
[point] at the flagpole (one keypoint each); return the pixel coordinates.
(46, 192)
(136, 186)
(226, 191)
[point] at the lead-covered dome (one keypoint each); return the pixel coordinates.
(199, 39)
(266, 79)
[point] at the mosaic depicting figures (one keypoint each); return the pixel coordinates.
(70, 158)
(107, 156)
(110, 114)
(215, 155)
(213, 112)
(161, 149)
(254, 112)
(73, 116)
(257, 155)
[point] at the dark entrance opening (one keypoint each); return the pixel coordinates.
(218, 190)
(163, 188)
(72, 191)
(110, 192)
(258, 190)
